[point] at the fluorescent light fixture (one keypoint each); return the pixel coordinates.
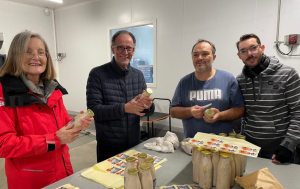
(57, 1)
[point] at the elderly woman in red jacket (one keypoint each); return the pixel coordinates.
(33, 119)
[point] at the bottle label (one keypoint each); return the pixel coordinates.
(72, 121)
(154, 183)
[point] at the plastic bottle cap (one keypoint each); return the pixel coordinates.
(206, 152)
(91, 112)
(149, 160)
(225, 155)
(142, 155)
(133, 171)
(145, 166)
(222, 134)
(130, 159)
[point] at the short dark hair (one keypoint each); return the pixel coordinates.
(213, 48)
(247, 36)
(122, 32)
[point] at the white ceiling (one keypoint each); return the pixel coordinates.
(51, 4)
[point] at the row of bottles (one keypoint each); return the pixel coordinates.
(212, 168)
(141, 175)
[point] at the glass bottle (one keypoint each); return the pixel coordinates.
(145, 177)
(205, 173)
(196, 164)
(209, 113)
(152, 169)
(133, 181)
(233, 135)
(146, 93)
(76, 119)
(224, 172)
(215, 156)
(130, 163)
(141, 159)
(243, 157)
(232, 163)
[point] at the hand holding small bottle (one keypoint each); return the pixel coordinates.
(68, 134)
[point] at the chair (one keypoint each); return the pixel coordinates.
(156, 116)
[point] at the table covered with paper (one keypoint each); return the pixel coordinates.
(177, 170)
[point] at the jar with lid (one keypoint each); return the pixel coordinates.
(196, 164)
(224, 172)
(205, 173)
(133, 181)
(152, 169)
(215, 156)
(145, 176)
(130, 163)
(243, 157)
(76, 120)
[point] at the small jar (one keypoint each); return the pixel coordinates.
(130, 163)
(76, 120)
(215, 156)
(209, 113)
(145, 177)
(152, 169)
(205, 173)
(223, 134)
(224, 172)
(133, 181)
(196, 165)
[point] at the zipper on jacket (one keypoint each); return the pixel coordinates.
(253, 87)
(56, 127)
(60, 148)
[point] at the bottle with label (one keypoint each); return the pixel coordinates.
(145, 176)
(130, 163)
(146, 93)
(243, 158)
(232, 163)
(196, 164)
(205, 173)
(133, 181)
(224, 172)
(152, 169)
(76, 120)
(209, 113)
(215, 156)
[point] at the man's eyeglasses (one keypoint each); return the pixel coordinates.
(252, 49)
(121, 49)
(39, 54)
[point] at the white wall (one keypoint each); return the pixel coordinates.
(15, 18)
(82, 34)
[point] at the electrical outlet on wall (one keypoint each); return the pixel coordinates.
(292, 39)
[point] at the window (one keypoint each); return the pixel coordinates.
(144, 58)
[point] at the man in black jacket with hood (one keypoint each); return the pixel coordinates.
(113, 94)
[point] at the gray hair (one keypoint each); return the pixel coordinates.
(122, 32)
(213, 48)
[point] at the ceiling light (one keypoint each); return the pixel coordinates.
(57, 1)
